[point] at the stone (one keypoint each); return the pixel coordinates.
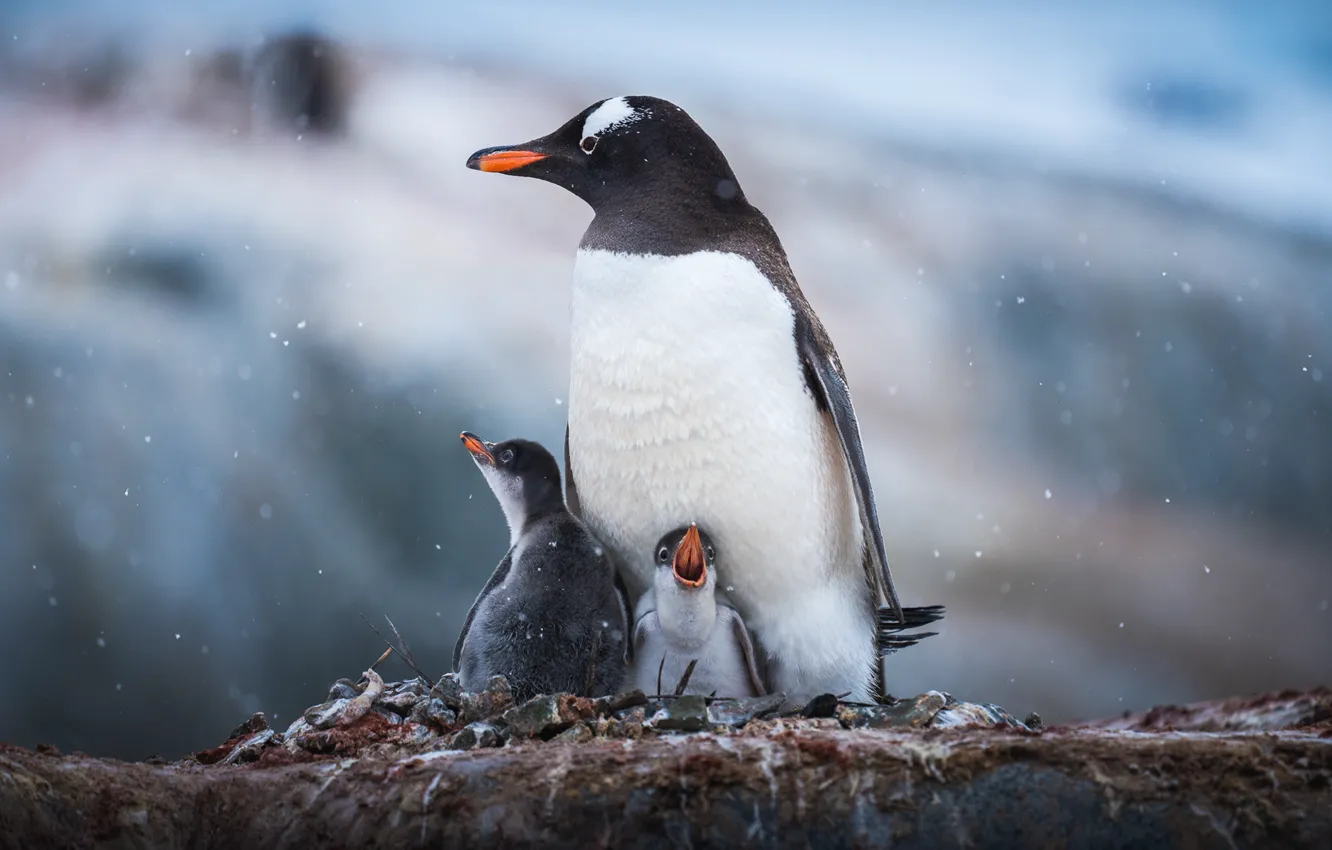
(420, 733)
(433, 712)
(492, 702)
(418, 687)
(387, 713)
(326, 715)
(579, 733)
(619, 702)
(541, 717)
(737, 712)
(682, 714)
(401, 702)
(257, 723)
(449, 690)
(296, 732)
(955, 714)
(629, 729)
(863, 716)
(638, 712)
(251, 749)
(343, 689)
(920, 710)
(913, 712)
(475, 736)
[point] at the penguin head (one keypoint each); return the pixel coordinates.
(523, 476)
(619, 147)
(687, 556)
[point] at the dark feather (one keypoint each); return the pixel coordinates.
(496, 579)
(570, 488)
(622, 594)
(824, 378)
(891, 637)
(913, 618)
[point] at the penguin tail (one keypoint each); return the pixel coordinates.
(914, 618)
(890, 631)
(892, 643)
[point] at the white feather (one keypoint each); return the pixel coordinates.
(675, 625)
(508, 491)
(687, 403)
(610, 114)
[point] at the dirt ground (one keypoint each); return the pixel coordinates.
(1254, 772)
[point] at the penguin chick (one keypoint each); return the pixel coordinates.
(679, 621)
(553, 617)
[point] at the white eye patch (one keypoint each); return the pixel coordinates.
(613, 113)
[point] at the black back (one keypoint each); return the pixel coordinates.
(551, 619)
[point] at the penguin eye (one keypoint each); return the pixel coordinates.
(663, 553)
(589, 144)
(506, 456)
(712, 553)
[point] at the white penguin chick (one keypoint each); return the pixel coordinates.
(679, 620)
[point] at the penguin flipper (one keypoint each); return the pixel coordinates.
(622, 596)
(741, 632)
(570, 488)
(824, 377)
(641, 629)
(496, 579)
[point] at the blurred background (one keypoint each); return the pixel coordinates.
(1077, 260)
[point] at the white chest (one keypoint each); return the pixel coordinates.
(687, 404)
(662, 656)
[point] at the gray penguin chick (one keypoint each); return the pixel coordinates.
(553, 618)
(679, 620)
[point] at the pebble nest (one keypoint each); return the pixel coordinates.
(357, 717)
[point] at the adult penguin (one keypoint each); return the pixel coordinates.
(704, 388)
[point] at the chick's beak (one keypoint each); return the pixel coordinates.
(479, 448)
(690, 564)
(503, 159)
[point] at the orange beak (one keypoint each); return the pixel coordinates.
(691, 563)
(504, 160)
(480, 449)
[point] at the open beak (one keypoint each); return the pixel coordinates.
(503, 159)
(479, 448)
(690, 564)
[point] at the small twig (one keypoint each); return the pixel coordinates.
(660, 667)
(684, 680)
(380, 659)
(407, 652)
(405, 656)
